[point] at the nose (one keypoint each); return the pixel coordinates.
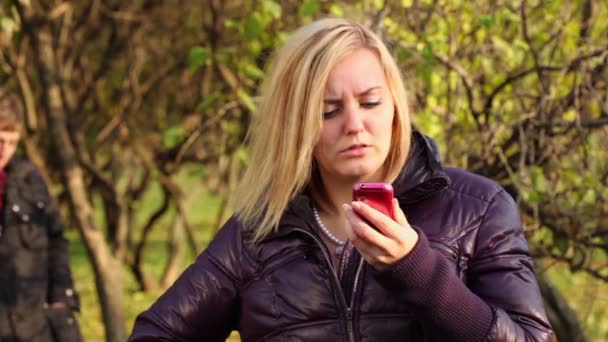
(353, 118)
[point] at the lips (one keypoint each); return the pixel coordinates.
(355, 150)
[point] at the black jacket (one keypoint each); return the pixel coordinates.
(469, 277)
(34, 261)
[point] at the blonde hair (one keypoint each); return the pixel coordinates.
(288, 120)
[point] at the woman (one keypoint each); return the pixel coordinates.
(300, 261)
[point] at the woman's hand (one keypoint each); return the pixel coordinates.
(386, 241)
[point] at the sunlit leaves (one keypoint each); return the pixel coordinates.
(272, 8)
(197, 57)
(254, 25)
(246, 100)
(257, 22)
(336, 10)
(308, 8)
(251, 70)
(207, 101)
(172, 136)
(535, 184)
(487, 21)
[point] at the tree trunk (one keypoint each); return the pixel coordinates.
(176, 251)
(563, 319)
(107, 269)
(225, 210)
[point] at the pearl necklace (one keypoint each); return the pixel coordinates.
(326, 231)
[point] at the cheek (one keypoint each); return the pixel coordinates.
(325, 141)
(323, 150)
(315, 152)
(385, 130)
(318, 150)
(383, 127)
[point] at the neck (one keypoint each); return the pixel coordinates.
(336, 194)
(330, 208)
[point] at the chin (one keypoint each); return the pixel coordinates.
(361, 174)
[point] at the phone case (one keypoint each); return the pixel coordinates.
(377, 195)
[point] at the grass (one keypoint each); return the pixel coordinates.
(587, 296)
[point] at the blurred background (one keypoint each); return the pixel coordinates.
(137, 111)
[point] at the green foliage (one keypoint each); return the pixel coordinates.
(308, 8)
(172, 136)
(258, 21)
(198, 56)
(487, 21)
(246, 100)
(336, 10)
(272, 8)
(251, 70)
(254, 26)
(586, 295)
(208, 101)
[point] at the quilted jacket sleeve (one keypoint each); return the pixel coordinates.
(501, 300)
(202, 304)
(502, 273)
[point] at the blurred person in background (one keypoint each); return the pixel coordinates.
(301, 261)
(37, 296)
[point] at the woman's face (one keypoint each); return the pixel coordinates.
(357, 121)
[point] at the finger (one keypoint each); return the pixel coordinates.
(372, 255)
(384, 224)
(376, 256)
(399, 215)
(361, 230)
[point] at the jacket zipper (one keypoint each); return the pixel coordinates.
(349, 315)
(349, 324)
(451, 251)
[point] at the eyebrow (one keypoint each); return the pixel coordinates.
(363, 93)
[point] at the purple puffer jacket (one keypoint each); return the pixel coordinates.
(469, 277)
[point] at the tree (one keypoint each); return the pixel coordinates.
(519, 89)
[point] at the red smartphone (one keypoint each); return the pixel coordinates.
(377, 195)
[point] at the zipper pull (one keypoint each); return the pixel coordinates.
(349, 324)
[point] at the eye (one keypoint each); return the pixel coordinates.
(370, 104)
(330, 113)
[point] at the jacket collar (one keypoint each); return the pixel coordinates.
(14, 168)
(422, 177)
